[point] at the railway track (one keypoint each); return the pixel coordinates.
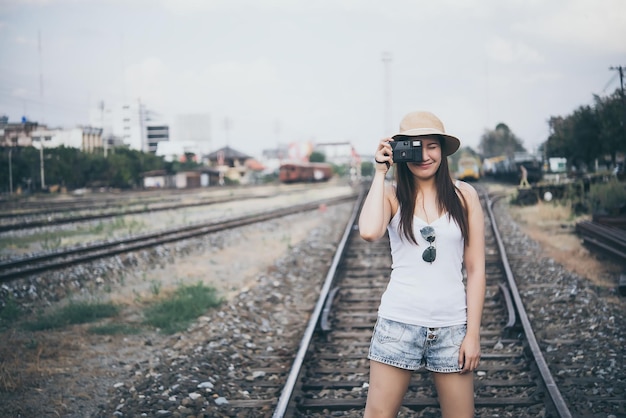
(39, 214)
(45, 221)
(329, 374)
(14, 269)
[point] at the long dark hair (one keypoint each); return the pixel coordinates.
(449, 198)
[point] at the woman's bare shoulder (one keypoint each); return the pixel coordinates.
(467, 190)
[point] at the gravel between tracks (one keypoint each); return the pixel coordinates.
(78, 375)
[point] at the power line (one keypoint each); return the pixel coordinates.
(610, 82)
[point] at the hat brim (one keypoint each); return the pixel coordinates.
(452, 142)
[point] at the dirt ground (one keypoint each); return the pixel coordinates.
(553, 227)
(68, 373)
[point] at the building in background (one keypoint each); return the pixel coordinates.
(338, 153)
(85, 138)
(16, 134)
(133, 124)
(155, 134)
(26, 134)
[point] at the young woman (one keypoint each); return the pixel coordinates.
(427, 316)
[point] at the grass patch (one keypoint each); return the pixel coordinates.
(554, 211)
(74, 313)
(185, 305)
(9, 313)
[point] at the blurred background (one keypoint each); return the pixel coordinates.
(274, 79)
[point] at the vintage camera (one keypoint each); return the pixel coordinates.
(407, 150)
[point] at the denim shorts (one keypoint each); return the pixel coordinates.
(412, 347)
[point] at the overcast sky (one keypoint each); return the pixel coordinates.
(288, 70)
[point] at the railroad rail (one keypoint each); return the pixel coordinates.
(93, 216)
(329, 374)
(65, 212)
(606, 238)
(47, 201)
(46, 208)
(14, 269)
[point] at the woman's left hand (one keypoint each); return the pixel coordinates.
(469, 354)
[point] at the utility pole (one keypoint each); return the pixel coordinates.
(104, 140)
(142, 135)
(386, 58)
(277, 132)
(620, 69)
(10, 172)
(227, 126)
(43, 105)
(41, 139)
(43, 177)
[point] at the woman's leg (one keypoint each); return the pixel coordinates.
(387, 388)
(456, 394)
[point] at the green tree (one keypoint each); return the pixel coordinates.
(501, 141)
(74, 169)
(589, 133)
(575, 137)
(610, 113)
(367, 168)
(26, 168)
(64, 166)
(317, 157)
(188, 163)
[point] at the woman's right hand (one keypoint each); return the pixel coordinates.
(384, 155)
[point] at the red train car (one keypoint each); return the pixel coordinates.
(304, 172)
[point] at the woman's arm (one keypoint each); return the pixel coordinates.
(376, 211)
(474, 260)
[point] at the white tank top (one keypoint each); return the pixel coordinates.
(422, 293)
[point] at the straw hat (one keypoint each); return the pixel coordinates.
(425, 123)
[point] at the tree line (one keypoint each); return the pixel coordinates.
(590, 133)
(73, 169)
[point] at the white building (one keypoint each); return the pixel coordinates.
(85, 138)
(138, 127)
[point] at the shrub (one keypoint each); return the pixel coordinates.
(607, 198)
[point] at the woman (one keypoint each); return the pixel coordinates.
(427, 317)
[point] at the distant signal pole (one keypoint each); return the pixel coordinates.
(43, 113)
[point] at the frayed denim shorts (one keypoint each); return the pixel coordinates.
(412, 347)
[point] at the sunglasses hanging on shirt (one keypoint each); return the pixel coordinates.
(430, 253)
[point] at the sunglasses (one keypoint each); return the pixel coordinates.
(430, 253)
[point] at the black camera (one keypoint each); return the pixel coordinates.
(407, 150)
